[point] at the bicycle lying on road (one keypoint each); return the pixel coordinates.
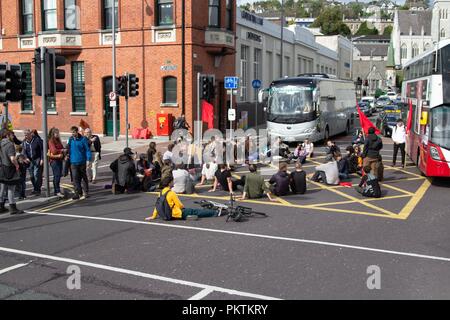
(237, 214)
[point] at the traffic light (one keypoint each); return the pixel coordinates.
(133, 85)
(18, 77)
(5, 82)
(211, 90)
(52, 62)
(122, 86)
(205, 88)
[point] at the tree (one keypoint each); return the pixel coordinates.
(330, 22)
(301, 12)
(387, 31)
(364, 30)
(246, 6)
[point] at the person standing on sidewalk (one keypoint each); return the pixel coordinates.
(33, 151)
(79, 153)
(9, 172)
(56, 154)
(399, 139)
(96, 148)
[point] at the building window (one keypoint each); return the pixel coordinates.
(415, 51)
(78, 87)
(27, 16)
(257, 64)
(442, 33)
(51, 103)
(164, 12)
(229, 14)
(287, 67)
(404, 51)
(49, 14)
(107, 13)
(214, 13)
(317, 68)
(299, 63)
(27, 103)
(170, 90)
(321, 69)
(244, 72)
(70, 15)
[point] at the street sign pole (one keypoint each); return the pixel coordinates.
(256, 114)
(114, 68)
(198, 111)
(6, 113)
(231, 121)
(44, 122)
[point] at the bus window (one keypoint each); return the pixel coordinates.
(440, 126)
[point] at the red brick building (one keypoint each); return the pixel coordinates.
(150, 43)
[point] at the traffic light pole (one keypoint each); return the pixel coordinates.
(126, 109)
(114, 69)
(44, 123)
(6, 113)
(199, 129)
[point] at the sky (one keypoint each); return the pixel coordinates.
(399, 2)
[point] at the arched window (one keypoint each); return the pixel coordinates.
(442, 35)
(170, 90)
(404, 51)
(415, 50)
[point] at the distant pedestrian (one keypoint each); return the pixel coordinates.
(33, 152)
(168, 155)
(56, 154)
(96, 149)
(151, 152)
(399, 139)
(180, 123)
(79, 153)
(309, 148)
(331, 150)
(23, 167)
(9, 175)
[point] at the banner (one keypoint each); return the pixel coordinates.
(365, 122)
(208, 114)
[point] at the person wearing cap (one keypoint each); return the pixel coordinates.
(9, 176)
(124, 170)
(79, 154)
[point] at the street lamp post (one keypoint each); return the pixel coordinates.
(282, 44)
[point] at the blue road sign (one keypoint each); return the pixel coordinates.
(256, 84)
(231, 83)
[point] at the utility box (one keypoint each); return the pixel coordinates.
(164, 124)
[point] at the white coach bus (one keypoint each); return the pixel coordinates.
(310, 106)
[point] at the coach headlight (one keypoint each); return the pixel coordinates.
(435, 153)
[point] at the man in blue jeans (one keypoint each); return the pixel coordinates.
(33, 152)
(79, 154)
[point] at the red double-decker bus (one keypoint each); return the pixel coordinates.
(426, 88)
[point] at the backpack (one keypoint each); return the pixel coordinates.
(162, 206)
(375, 189)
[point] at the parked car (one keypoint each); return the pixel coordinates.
(370, 101)
(365, 108)
(392, 95)
(387, 120)
(382, 101)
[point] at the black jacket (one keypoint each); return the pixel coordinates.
(97, 145)
(33, 149)
(124, 170)
(281, 181)
(372, 146)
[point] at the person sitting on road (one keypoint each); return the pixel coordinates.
(223, 177)
(125, 173)
(298, 179)
(342, 166)
(158, 163)
(208, 172)
(309, 148)
(168, 154)
(369, 185)
(151, 152)
(299, 154)
(327, 173)
(180, 178)
(352, 159)
(280, 181)
(331, 150)
(166, 170)
(359, 138)
(178, 210)
(255, 186)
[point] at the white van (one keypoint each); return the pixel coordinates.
(370, 101)
(392, 95)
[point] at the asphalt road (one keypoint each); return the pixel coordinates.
(315, 246)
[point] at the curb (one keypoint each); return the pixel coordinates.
(30, 204)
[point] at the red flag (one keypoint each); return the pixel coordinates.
(365, 122)
(409, 120)
(208, 113)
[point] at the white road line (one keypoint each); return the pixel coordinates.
(17, 266)
(138, 274)
(201, 294)
(254, 235)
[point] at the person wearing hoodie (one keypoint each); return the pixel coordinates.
(125, 173)
(371, 154)
(79, 153)
(280, 181)
(399, 139)
(328, 173)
